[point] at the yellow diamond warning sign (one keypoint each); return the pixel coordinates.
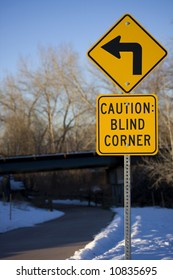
(127, 124)
(127, 53)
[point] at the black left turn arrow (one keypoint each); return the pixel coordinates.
(114, 47)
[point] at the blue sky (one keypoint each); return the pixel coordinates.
(25, 25)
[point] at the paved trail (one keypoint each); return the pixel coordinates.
(57, 239)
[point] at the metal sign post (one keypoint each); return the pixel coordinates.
(127, 208)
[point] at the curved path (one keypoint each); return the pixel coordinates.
(57, 239)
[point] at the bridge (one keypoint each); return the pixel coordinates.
(55, 162)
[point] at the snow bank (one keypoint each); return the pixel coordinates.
(151, 233)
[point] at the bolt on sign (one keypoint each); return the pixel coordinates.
(127, 124)
(127, 53)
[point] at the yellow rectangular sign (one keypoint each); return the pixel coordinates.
(127, 124)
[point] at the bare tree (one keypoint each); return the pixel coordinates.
(45, 108)
(16, 123)
(160, 167)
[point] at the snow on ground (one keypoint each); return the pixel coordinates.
(23, 215)
(152, 231)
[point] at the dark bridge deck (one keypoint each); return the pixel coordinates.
(38, 163)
